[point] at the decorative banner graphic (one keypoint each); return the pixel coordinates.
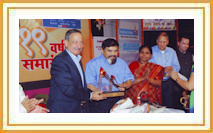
(129, 39)
(128, 30)
(38, 35)
(62, 23)
(97, 41)
(129, 51)
(131, 46)
(159, 24)
(97, 26)
(39, 45)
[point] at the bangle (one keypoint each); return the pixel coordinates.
(176, 79)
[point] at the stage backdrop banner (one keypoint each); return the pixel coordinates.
(129, 31)
(109, 28)
(158, 24)
(97, 41)
(40, 40)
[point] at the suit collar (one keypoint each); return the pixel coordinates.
(77, 58)
(73, 65)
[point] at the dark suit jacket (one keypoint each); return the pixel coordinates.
(66, 91)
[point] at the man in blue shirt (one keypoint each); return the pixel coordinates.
(113, 65)
(166, 57)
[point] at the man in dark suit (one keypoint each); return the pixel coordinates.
(185, 59)
(68, 91)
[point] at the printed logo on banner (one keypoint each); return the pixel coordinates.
(131, 46)
(62, 23)
(38, 36)
(128, 31)
(129, 39)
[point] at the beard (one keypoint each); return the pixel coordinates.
(111, 61)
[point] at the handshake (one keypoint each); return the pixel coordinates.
(168, 71)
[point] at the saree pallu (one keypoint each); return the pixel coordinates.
(154, 92)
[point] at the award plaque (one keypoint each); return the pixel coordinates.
(113, 94)
(112, 82)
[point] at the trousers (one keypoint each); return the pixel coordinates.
(168, 93)
(102, 106)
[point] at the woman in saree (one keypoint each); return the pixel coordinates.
(148, 77)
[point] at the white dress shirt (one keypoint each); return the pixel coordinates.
(77, 60)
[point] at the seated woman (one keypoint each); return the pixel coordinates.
(148, 77)
(188, 85)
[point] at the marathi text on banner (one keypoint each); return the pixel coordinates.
(159, 24)
(32, 64)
